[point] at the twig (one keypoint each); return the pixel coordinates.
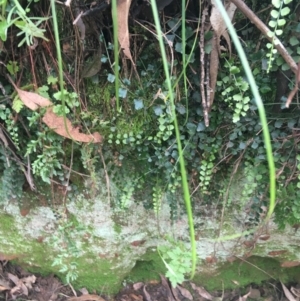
(265, 30)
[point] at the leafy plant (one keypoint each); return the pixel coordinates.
(278, 14)
(177, 260)
(29, 26)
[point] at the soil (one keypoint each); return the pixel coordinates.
(17, 284)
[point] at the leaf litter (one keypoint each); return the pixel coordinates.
(17, 284)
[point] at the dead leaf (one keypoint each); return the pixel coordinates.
(255, 294)
(290, 264)
(13, 278)
(123, 32)
(276, 253)
(296, 292)
(175, 292)
(244, 298)
(4, 285)
(87, 297)
(32, 100)
(147, 295)
(202, 292)
(165, 283)
(136, 297)
(56, 123)
(287, 293)
(185, 293)
(138, 286)
(264, 237)
(28, 281)
(211, 259)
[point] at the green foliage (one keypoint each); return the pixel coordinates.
(65, 242)
(28, 26)
(48, 162)
(235, 90)
(176, 258)
(278, 14)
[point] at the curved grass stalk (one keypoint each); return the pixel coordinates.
(260, 106)
(186, 192)
(59, 62)
(116, 51)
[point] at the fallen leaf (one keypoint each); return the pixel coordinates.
(165, 283)
(147, 295)
(13, 278)
(32, 100)
(138, 286)
(137, 243)
(287, 293)
(58, 124)
(202, 292)
(87, 297)
(136, 297)
(264, 237)
(290, 264)
(276, 253)
(175, 292)
(123, 32)
(28, 281)
(296, 292)
(244, 298)
(185, 293)
(211, 259)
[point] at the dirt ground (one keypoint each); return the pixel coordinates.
(17, 284)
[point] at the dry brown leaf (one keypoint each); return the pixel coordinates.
(56, 123)
(147, 295)
(136, 297)
(202, 292)
(28, 281)
(295, 291)
(165, 283)
(276, 253)
(123, 32)
(264, 237)
(138, 286)
(4, 285)
(218, 23)
(175, 292)
(244, 298)
(287, 293)
(13, 278)
(32, 100)
(290, 264)
(185, 293)
(87, 297)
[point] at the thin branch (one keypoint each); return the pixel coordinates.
(264, 29)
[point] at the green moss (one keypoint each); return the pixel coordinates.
(147, 268)
(256, 271)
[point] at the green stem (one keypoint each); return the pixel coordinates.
(260, 106)
(185, 187)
